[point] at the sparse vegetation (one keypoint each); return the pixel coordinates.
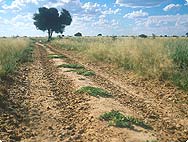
(51, 56)
(12, 52)
(115, 118)
(94, 91)
(84, 72)
(73, 66)
(162, 58)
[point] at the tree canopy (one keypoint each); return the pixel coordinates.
(49, 19)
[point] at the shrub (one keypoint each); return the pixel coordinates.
(143, 36)
(78, 34)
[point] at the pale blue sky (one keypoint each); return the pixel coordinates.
(109, 17)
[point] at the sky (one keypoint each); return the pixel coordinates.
(107, 17)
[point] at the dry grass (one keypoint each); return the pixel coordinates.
(11, 51)
(162, 58)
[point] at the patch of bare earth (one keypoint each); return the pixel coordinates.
(158, 103)
(95, 129)
(13, 108)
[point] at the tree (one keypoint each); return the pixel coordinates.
(153, 35)
(48, 19)
(143, 36)
(186, 34)
(99, 35)
(78, 34)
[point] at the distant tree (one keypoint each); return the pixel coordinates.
(174, 36)
(114, 38)
(99, 35)
(78, 34)
(186, 34)
(143, 36)
(59, 36)
(48, 19)
(153, 36)
(165, 36)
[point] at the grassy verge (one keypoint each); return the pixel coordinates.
(13, 52)
(160, 58)
(115, 118)
(94, 91)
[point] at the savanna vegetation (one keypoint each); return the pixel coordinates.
(13, 52)
(159, 58)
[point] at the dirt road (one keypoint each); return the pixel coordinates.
(40, 104)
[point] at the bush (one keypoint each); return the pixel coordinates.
(78, 34)
(143, 36)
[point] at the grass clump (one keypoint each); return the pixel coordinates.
(73, 66)
(84, 72)
(115, 118)
(54, 56)
(13, 52)
(26, 55)
(94, 91)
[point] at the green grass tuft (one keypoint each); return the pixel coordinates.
(115, 118)
(73, 66)
(94, 91)
(26, 55)
(55, 56)
(83, 72)
(180, 79)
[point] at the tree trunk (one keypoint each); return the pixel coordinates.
(49, 34)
